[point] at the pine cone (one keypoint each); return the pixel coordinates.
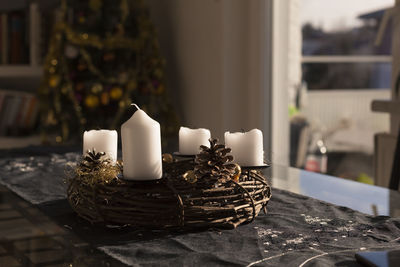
(212, 163)
(93, 160)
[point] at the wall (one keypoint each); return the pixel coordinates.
(212, 48)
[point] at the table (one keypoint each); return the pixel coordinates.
(369, 199)
(38, 228)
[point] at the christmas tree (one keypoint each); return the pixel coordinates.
(103, 55)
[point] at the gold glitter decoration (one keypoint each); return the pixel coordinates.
(238, 172)
(109, 43)
(190, 177)
(96, 168)
(166, 157)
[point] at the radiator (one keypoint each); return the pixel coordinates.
(325, 109)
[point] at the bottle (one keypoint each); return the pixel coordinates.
(317, 158)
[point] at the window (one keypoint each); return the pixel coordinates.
(338, 50)
(343, 71)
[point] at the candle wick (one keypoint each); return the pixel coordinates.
(136, 106)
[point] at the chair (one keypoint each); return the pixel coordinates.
(395, 176)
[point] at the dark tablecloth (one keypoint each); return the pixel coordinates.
(297, 231)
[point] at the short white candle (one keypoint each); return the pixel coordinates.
(247, 148)
(141, 147)
(102, 141)
(190, 140)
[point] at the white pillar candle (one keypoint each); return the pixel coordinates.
(141, 147)
(190, 140)
(102, 141)
(247, 148)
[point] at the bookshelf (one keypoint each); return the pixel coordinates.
(13, 71)
(20, 39)
(24, 28)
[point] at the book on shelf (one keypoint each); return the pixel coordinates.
(24, 35)
(17, 41)
(4, 38)
(5, 113)
(18, 113)
(14, 38)
(34, 34)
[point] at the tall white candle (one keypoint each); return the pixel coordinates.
(102, 141)
(247, 148)
(190, 140)
(141, 147)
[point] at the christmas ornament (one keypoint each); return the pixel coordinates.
(64, 90)
(52, 70)
(81, 19)
(123, 77)
(122, 104)
(71, 51)
(95, 5)
(107, 57)
(82, 66)
(105, 99)
(97, 88)
(131, 85)
(50, 119)
(160, 89)
(91, 101)
(120, 30)
(54, 80)
(158, 73)
(79, 86)
(116, 93)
